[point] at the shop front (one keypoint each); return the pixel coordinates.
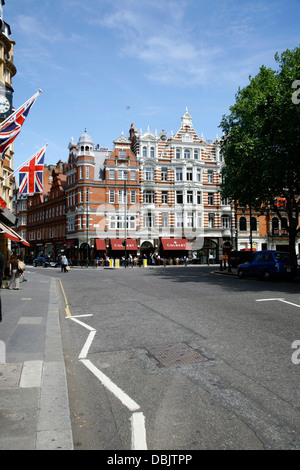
(117, 248)
(174, 250)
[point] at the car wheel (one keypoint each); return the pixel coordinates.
(240, 274)
(266, 276)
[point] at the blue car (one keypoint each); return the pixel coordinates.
(269, 264)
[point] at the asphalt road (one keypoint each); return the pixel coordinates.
(180, 358)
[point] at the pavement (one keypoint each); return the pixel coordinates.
(34, 405)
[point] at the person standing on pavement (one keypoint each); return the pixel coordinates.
(1, 278)
(13, 272)
(64, 262)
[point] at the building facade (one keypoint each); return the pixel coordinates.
(44, 216)
(7, 72)
(180, 199)
(160, 194)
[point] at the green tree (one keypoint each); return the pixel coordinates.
(261, 143)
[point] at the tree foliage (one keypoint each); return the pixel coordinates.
(261, 142)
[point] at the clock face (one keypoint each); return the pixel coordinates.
(4, 105)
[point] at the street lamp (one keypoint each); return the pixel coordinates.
(125, 240)
(87, 234)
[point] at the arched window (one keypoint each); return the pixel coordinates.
(152, 152)
(144, 152)
(243, 224)
(177, 153)
(187, 153)
(196, 154)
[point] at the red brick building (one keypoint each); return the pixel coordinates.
(45, 215)
(98, 184)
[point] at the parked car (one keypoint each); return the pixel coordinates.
(41, 261)
(269, 264)
(46, 262)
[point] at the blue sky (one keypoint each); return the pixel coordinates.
(103, 64)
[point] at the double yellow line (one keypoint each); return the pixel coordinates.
(67, 310)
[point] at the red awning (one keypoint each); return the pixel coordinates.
(116, 244)
(12, 235)
(100, 244)
(175, 244)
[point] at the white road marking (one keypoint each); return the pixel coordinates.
(138, 431)
(279, 300)
(138, 428)
(130, 404)
(80, 316)
(82, 324)
(84, 352)
(266, 300)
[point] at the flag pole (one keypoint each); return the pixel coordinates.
(2, 182)
(20, 107)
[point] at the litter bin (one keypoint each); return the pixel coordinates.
(117, 263)
(111, 263)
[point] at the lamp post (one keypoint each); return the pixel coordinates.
(125, 241)
(87, 234)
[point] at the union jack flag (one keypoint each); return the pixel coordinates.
(11, 127)
(31, 174)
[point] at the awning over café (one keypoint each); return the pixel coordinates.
(12, 235)
(116, 244)
(100, 244)
(179, 244)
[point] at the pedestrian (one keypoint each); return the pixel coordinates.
(64, 264)
(1, 277)
(14, 273)
(22, 276)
